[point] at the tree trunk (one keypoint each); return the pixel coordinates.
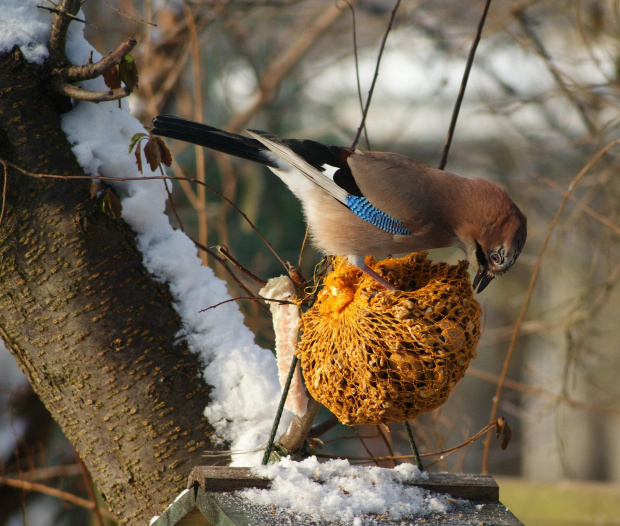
(92, 330)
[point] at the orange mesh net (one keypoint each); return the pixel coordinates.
(374, 356)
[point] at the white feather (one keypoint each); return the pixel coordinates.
(313, 174)
(329, 170)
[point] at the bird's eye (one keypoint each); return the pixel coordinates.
(495, 258)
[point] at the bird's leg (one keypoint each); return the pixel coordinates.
(360, 263)
(386, 284)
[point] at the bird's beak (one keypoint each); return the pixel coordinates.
(481, 280)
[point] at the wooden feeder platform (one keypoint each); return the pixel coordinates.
(211, 501)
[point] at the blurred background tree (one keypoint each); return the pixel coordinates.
(541, 105)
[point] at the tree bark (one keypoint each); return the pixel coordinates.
(92, 330)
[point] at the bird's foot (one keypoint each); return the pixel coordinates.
(360, 263)
(382, 281)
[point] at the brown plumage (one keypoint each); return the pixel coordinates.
(358, 203)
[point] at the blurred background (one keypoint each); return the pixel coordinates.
(539, 117)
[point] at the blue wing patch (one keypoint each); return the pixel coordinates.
(362, 208)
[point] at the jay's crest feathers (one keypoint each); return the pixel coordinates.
(359, 203)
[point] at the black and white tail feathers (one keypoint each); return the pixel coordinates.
(212, 138)
(330, 161)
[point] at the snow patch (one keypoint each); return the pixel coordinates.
(337, 491)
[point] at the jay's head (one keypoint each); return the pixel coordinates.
(496, 242)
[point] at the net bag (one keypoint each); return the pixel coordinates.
(373, 356)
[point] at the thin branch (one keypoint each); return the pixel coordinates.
(128, 16)
(251, 298)
(224, 251)
(446, 452)
(185, 185)
(230, 272)
(303, 246)
(73, 17)
(357, 69)
(53, 492)
(150, 178)
(376, 76)
(537, 391)
(172, 205)
(280, 67)
(93, 70)
(63, 470)
(592, 213)
(386, 441)
(199, 152)
(361, 439)
(75, 92)
(91, 490)
(530, 289)
(540, 48)
(461, 95)
(64, 74)
(66, 11)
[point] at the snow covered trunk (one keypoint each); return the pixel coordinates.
(93, 331)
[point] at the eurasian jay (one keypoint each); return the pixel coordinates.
(358, 203)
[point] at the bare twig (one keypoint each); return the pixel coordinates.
(199, 153)
(303, 247)
(592, 213)
(444, 453)
(279, 68)
(537, 391)
(461, 95)
(386, 441)
(128, 16)
(150, 178)
(173, 206)
(185, 185)
(91, 489)
(372, 458)
(230, 272)
(357, 68)
(53, 492)
(251, 298)
(75, 92)
(222, 250)
(540, 48)
(58, 11)
(63, 470)
(64, 75)
(376, 76)
(530, 289)
(447, 452)
(92, 70)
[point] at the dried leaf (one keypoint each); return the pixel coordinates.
(96, 189)
(152, 153)
(502, 428)
(138, 159)
(128, 71)
(113, 203)
(164, 152)
(112, 78)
